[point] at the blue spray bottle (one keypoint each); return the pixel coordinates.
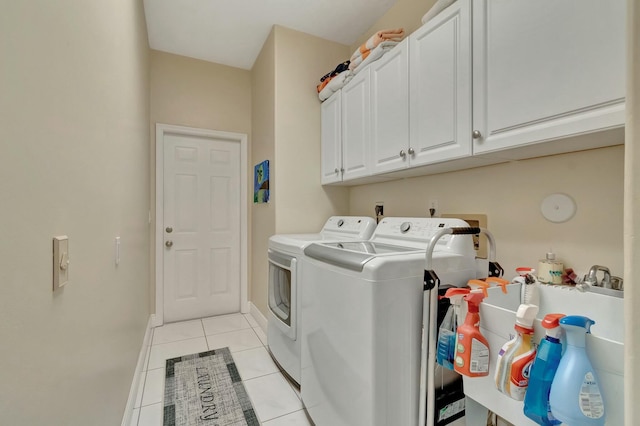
(575, 396)
(536, 400)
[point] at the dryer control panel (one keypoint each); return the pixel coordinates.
(358, 227)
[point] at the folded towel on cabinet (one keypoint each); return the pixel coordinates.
(360, 63)
(374, 41)
(325, 79)
(336, 83)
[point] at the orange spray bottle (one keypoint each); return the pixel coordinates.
(472, 348)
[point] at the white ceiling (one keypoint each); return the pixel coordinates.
(232, 32)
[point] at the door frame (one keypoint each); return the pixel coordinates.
(241, 138)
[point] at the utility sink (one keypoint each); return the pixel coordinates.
(605, 345)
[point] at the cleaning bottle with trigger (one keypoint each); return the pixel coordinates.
(501, 282)
(445, 353)
(529, 292)
(517, 355)
(536, 400)
(575, 396)
(472, 348)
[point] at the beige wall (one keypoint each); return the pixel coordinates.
(74, 160)
(405, 14)
(286, 131)
(194, 93)
(632, 216)
(263, 216)
(302, 204)
(510, 195)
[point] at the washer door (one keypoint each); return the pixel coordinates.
(282, 292)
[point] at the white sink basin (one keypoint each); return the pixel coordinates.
(604, 345)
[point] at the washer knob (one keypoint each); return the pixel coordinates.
(405, 226)
(340, 223)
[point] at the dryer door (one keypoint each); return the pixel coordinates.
(282, 291)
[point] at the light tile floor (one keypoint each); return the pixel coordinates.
(276, 401)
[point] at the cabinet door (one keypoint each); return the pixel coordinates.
(356, 131)
(440, 82)
(390, 110)
(546, 69)
(331, 139)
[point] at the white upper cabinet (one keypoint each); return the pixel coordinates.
(356, 126)
(331, 139)
(390, 110)
(440, 81)
(484, 81)
(545, 70)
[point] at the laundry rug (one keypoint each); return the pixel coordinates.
(205, 389)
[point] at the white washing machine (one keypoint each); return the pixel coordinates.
(285, 284)
(362, 313)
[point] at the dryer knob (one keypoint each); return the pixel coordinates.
(340, 223)
(405, 226)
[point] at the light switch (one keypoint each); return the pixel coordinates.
(117, 254)
(60, 261)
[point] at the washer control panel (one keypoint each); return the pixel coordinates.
(418, 231)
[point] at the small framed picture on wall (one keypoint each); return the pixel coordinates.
(261, 182)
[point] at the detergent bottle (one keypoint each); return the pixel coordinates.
(472, 348)
(536, 400)
(517, 355)
(445, 353)
(575, 396)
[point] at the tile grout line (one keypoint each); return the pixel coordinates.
(283, 415)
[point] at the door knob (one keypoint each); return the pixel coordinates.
(476, 134)
(169, 229)
(402, 153)
(169, 243)
(337, 170)
(411, 151)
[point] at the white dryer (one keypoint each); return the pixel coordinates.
(285, 284)
(362, 313)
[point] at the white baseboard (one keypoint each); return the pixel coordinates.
(257, 315)
(133, 391)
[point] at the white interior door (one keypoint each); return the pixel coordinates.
(201, 229)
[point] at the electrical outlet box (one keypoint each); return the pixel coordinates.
(475, 220)
(379, 208)
(60, 261)
(434, 208)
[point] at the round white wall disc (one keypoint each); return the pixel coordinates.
(558, 208)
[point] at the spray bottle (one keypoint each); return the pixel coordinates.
(445, 354)
(536, 400)
(529, 285)
(472, 348)
(575, 396)
(517, 355)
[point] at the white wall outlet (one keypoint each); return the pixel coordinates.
(60, 261)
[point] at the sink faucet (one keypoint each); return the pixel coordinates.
(592, 280)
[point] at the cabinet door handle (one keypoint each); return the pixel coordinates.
(169, 243)
(402, 153)
(476, 134)
(411, 151)
(337, 170)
